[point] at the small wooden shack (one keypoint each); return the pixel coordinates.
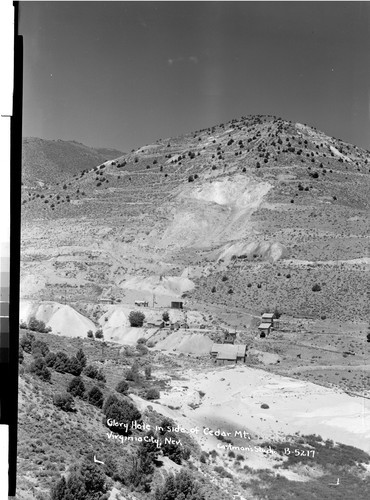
(264, 329)
(228, 353)
(268, 318)
(241, 352)
(276, 324)
(176, 305)
(106, 300)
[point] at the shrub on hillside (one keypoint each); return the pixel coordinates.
(76, 387)
(74, 366)
(223, 472)
(81, 357)
(26, 342)
(85, 482)
(182, 485)
(132, 375)
(122, 411)
(62, 362)
(39, 368)
(136, 318)
(152, 393)
(92, 371)
(142, 349)
(122, 387)
(166, 316)
(64, 401)
(99, 334)
(95, 397)
(39, 349)
(38, 326)
(50, 359)
(109, 401)
(316, 288)
(90, 334)
(172, 450)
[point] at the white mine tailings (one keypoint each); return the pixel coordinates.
(61, 318)
(233, 399)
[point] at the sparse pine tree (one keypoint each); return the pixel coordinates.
(61, 362)
(39, 368)
(27, 341)
(95, 397)
(80, 355)
(64, 401)
(74, 366)
(50, 359)
(76, 387)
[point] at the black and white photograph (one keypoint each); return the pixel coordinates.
(194, 319)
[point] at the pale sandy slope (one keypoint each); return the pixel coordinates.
(62, 319)
(233, 399)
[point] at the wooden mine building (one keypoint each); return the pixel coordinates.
(176, 305)
(228, 353)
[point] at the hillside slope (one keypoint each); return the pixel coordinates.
(50, 161)
(277, 208)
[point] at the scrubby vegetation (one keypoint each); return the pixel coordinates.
(136, 318)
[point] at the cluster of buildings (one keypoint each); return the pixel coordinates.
(268, 322)
(229, 352)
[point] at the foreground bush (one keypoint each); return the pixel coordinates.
(183, 485)
(39, 349)
(85, 482)
(152, 393)
(122, 411)
(38, 326)
(64, 401)
(91, 371)
(39, 368)
(95, 397)
(81, 357)
(122, 387)
(26, 342)
(76, 387)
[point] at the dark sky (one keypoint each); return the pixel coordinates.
(123, 74)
